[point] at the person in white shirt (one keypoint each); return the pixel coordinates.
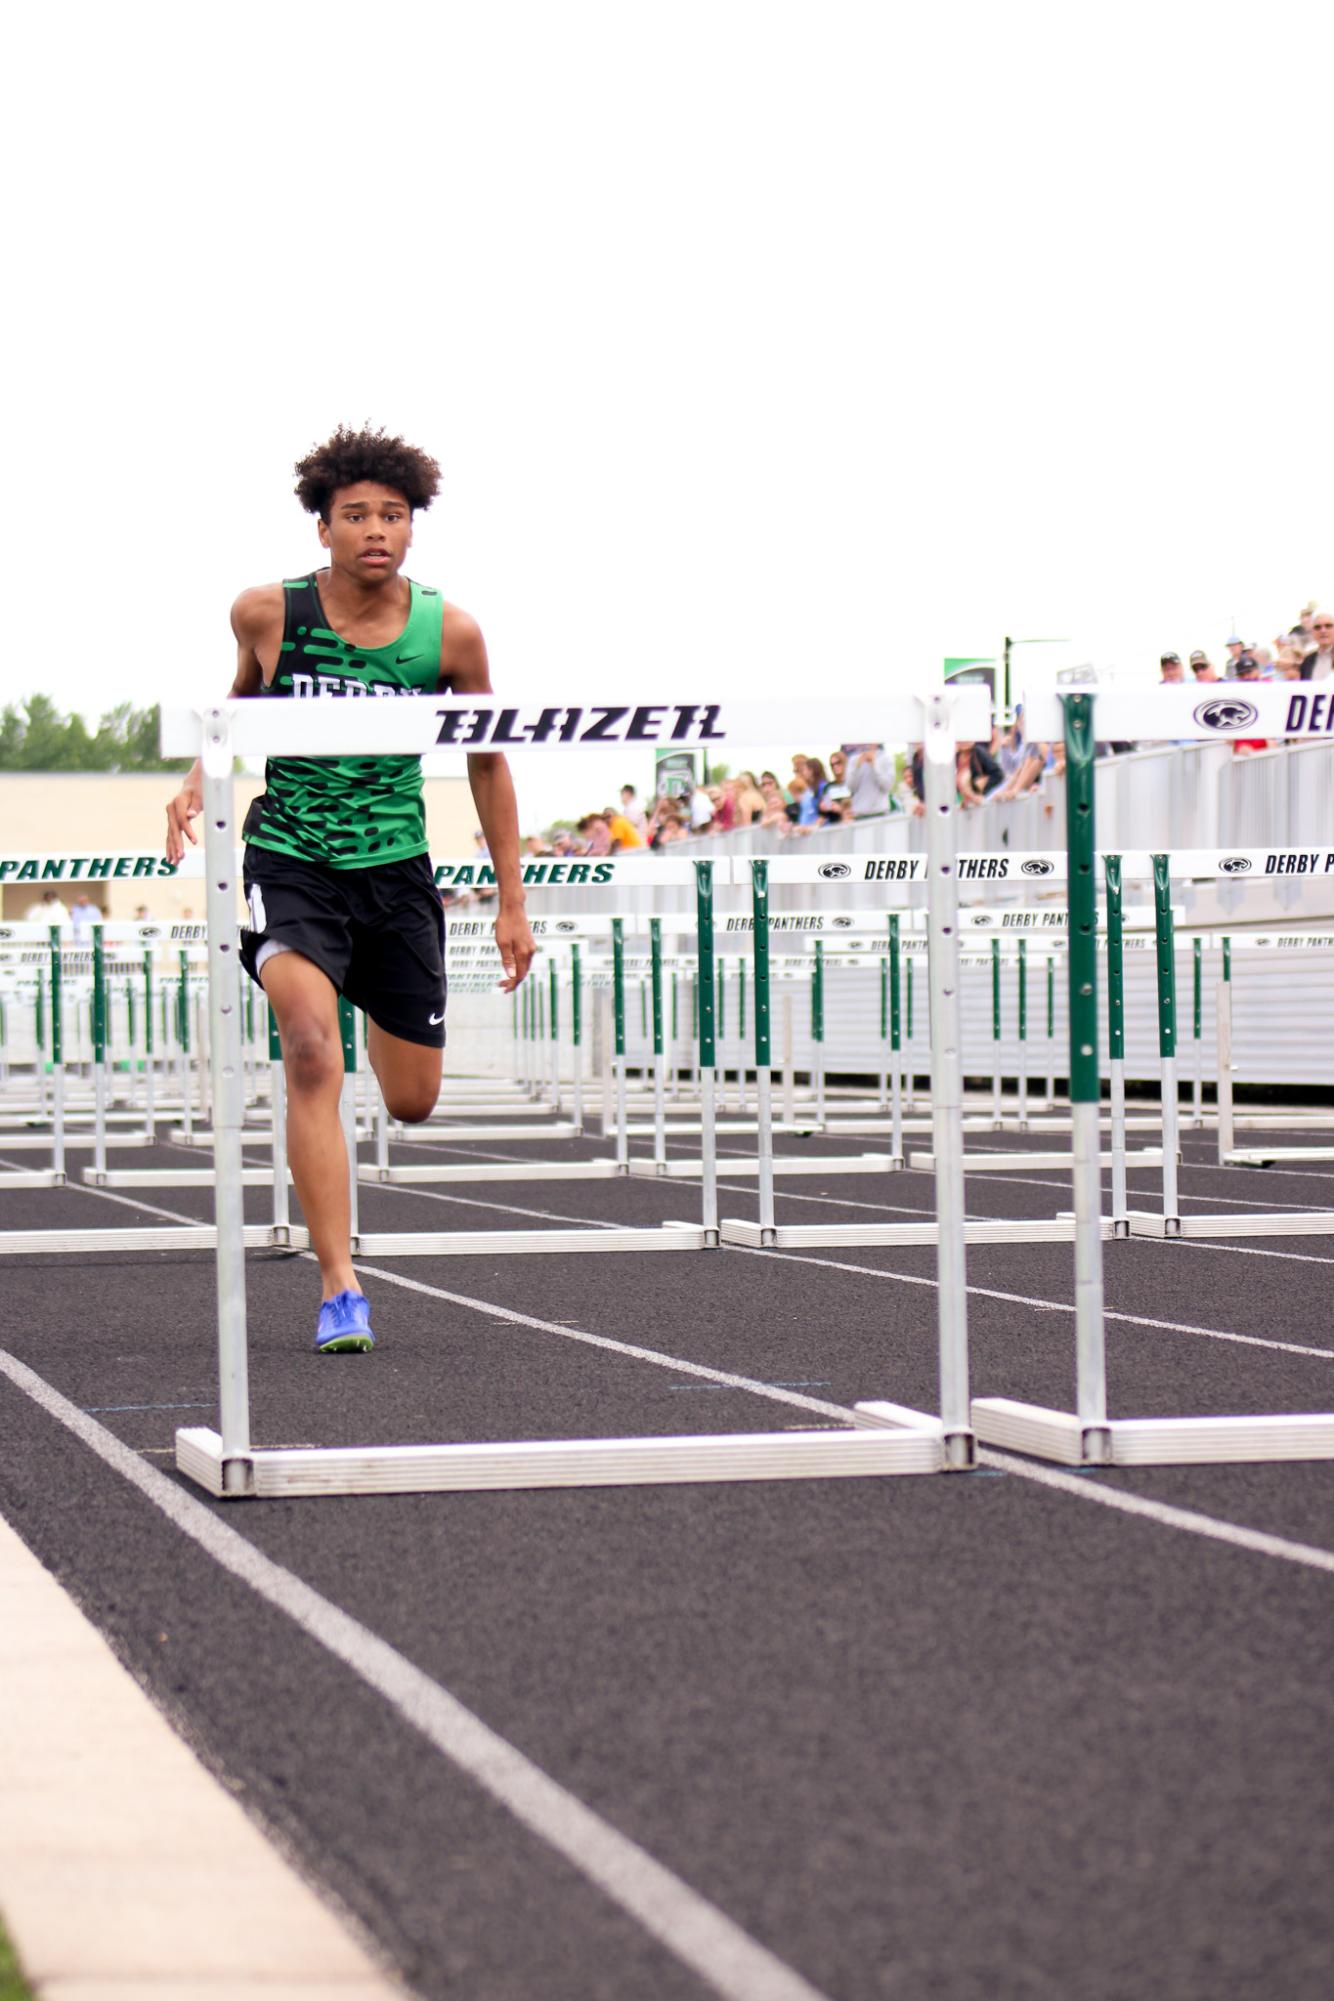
(49, 910)
(1318, 666)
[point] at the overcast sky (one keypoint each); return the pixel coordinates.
(763, 346)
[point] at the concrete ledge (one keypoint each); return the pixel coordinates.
(126, 1871)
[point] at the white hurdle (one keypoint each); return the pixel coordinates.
(887, 1438)
(1088, 1435)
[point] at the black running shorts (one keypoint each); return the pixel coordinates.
(379, 934)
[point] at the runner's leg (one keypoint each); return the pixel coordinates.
(306, 1003)
(409, 1073)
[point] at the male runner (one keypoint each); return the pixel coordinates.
(338, 880)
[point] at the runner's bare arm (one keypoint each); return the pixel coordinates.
(464, 668)
(257, 624)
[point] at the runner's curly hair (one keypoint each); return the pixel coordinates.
(348, 457)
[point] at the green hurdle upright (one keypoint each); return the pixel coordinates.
(1197, 1029)
(1085, 1081)
(577, 1037)
(1023, 1035)
(659, 1053)
(183, 1046)
(997, 1107)
(347, 1100)
(57, 1058)
(764, 1144)
(817, 1032)
(1165, 944)
(618, 1031)
(99, 1025)
(282, 1216)
(706, 1020)
(895, 1045)
(1223, 1020)
(1116, 1042)
(150, 1058)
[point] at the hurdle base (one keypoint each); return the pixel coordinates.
(864, 1452)
(521, 1243)
(1152, 1441)
(840, 1163)
(38, 1177)
(171, 1177)
(536, 1170)
(1270, 1156)
(959, 1446)
(167, 1237)
(1314, 1223)
(1009, 1163)
(868, 1236)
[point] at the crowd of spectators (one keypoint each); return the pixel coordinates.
(868, 782)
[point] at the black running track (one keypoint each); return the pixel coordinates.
(964, 1737)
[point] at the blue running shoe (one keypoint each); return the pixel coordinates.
(344, 1325)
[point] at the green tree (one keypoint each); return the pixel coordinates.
(35, 736)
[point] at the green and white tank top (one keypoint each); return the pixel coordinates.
(347, 812)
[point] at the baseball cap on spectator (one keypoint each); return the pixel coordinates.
(1234, 639)
(1199, 659)
(1169, 659)
(1247, 664)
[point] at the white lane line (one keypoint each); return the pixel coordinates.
(1041, 1305)
(1162, 1512)
(1081, 1488)
(1221, 1201)
(1241, 1250)
(695, 1931)
(722, 1377)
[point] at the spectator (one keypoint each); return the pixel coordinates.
(1289, 664)
(701, 811)
(1248, 676)
(596, 834)
(984, 771)
(1235, 648)
(623, 834)
(668, 822)
(816, 779)
(1169, 668)
(835, 805)
(747, 801)
(1203, 668)
(47, 910)
(1264, 660)
(83, 916)
(802, 811)
(720, 798)
(774, 814)
(869, 778)
(1319, 665)
(1021, 763)
(634, 812)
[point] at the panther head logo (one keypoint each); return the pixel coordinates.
(834, 871)
(1226, 712)
(841, 923)
(1234, 865)
(981, 919)
(566, 924)
(1037, 868)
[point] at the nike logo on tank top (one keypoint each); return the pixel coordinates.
(347, 812)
